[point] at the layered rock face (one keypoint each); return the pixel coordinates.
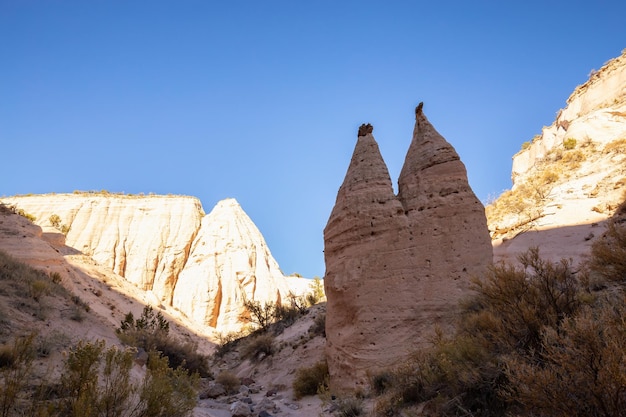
(584, 153)
(595, 112)
(202, 265)
(229, 262)
(396, 265)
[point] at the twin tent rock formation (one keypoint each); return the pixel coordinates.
(397, 265)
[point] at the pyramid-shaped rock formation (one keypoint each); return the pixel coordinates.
(396, 265)
(202, 265)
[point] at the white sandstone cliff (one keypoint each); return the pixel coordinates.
(204, 266)
(571, 178)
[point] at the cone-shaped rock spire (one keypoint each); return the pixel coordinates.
(396, 266)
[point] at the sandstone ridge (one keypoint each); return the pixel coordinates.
(569, 179)
(202, 265)
(396, 265)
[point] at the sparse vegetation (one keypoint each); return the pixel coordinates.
(350, 407)
(316, 293)
(229, 381)
(616, 147)
(538, 339)
(310, 381)
(258, 347)
(318, 328)
(525, 145)
(264, 315)
(16, 361)
(569, 143)
(151, 333)
(55, 220)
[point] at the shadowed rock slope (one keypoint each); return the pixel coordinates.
(203, 265)
(396, 265)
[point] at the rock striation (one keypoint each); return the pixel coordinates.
(396, 265)
(570, 179)
(229, 262)
(204, 266)
(595, 113)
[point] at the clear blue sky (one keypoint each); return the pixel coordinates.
(261, 100)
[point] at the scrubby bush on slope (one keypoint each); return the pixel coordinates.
(537, 339)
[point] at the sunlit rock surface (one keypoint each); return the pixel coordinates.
(396, 265)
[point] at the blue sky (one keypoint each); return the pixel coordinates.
(261, 100)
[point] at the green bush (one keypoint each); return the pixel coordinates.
(310, 381)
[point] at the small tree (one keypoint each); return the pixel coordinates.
(262, 315)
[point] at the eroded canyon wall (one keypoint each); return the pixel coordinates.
(203, 265)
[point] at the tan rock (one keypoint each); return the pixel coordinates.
(397, 265)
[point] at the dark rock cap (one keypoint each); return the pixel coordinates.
(365, 129)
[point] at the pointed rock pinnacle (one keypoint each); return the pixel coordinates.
(365, 129)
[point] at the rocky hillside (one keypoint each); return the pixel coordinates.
(202, 265)
(569, 179)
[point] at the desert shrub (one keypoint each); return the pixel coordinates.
(456, 376)
(513, 304)
(80, 379)
(381, 381)
(465, 374)
(167, 392)
(258, 347)
(617, 146)
(229, 381)
(261, 315)
(309, 381)
(151, 333)
(56, 277)
(608, 254)
(581, 370)
(288, 314)
(96, 382)
(525, 145)
(55, 220)
(26, 215)
(316, 291)
(39, 288)
(572, 159)
(350, 407)
(184, 355)
(318, 328)
(228, 342)
(569, 143)
(15, 370)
